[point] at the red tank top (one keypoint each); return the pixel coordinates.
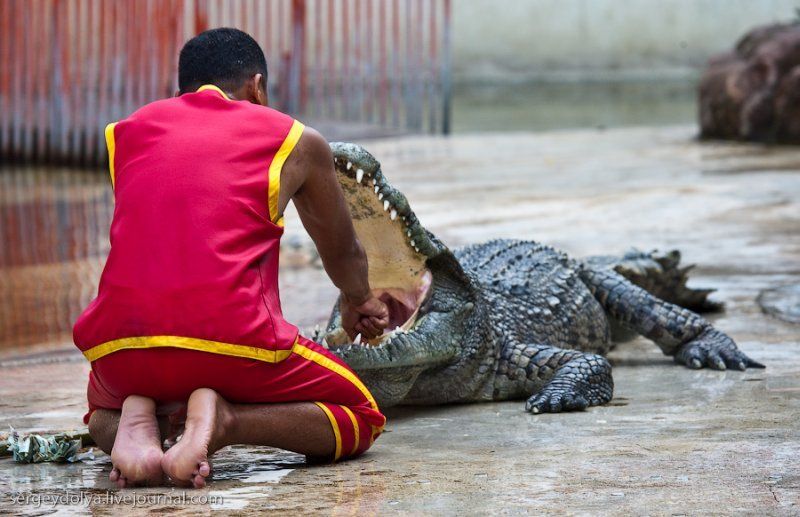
(196, 231)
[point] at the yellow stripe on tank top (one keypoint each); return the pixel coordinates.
(188, 343)
(112, 150)
(275, 168)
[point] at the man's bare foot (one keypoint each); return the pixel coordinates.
(209, 419)
(137, 453)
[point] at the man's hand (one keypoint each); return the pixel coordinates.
(368, 317)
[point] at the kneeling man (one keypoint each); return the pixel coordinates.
(187, 325)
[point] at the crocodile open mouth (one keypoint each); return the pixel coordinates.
(393, 241)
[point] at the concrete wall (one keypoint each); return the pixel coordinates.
(583, 39)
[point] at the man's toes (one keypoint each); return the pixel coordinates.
(122, 482)
(198, 481)
(205, 469)
(114, 475)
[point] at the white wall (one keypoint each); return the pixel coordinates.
(580, 39)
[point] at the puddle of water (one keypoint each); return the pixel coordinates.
(254, 465)
(234, 498)
(267, 476)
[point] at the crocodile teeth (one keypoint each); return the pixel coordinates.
(325, 344)
(377, 188)
(380, 196)
(386, 205)
(359, 175)
(393, 214)
(408, 232)
(349, 165)
(357, 340)
(413, 243)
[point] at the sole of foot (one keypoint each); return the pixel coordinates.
(137, 453)
(208, 418)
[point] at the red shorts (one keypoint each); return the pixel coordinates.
(309, 374)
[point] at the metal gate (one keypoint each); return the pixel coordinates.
(67, 67)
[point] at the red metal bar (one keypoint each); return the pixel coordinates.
(431, 73)
(445, 68)
(369, 67)
(331, 60)
(300, 57)
(200, 16)
(5, 75)
(396, 63)
(318, 75)
(383, 88)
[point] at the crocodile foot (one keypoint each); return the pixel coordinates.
(577, 384)
(715, 350)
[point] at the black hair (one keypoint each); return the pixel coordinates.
(223, 57)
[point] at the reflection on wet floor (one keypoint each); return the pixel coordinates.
(54, 232)
(240, 475)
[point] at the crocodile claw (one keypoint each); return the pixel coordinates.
(582, 382)
(714, 349)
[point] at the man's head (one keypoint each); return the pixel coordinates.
(227, 58)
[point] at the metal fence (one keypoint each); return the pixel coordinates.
(67, 67)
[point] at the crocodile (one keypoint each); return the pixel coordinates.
(507, 319)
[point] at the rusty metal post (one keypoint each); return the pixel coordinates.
(446, 70)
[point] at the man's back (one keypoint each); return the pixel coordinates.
(187, 312)
(196, 229)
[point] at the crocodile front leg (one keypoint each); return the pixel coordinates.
(679, 332)
(556, 379)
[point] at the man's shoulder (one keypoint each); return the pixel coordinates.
(311, 150)
(159, 108)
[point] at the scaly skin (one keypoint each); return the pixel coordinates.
(511, 319)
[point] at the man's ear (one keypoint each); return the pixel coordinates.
(258, 93)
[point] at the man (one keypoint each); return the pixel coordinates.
(187, 313)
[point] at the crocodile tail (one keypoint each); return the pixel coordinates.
(661, 275)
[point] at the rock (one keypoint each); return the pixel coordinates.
(753, 92)
(782, 302)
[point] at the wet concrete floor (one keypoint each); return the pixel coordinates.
(673, 441)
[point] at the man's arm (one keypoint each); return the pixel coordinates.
(308, 178)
